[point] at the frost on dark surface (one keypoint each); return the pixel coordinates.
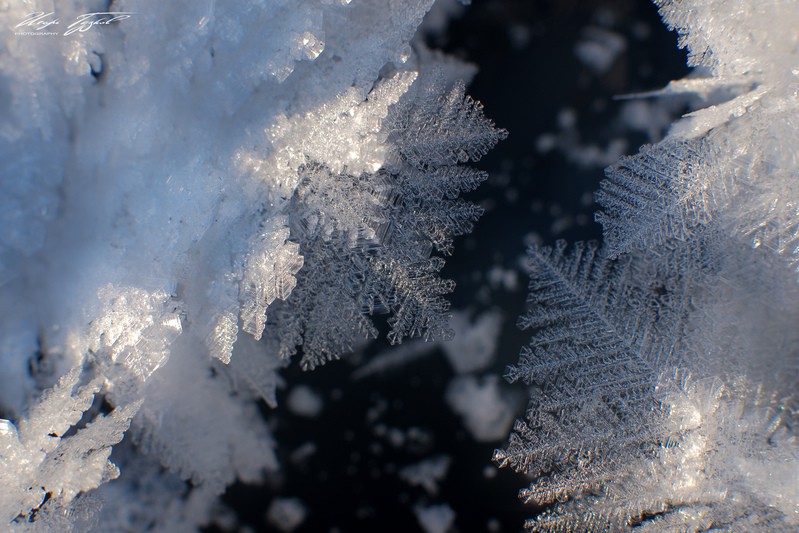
(595, 358)
(652, 197)
(639, 383)
(730, 161)
(664, 362)
(51, 446)
(198, 196)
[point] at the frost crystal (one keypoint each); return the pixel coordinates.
(188, 195)
(733, 156)
(41, 466)
(664, 362)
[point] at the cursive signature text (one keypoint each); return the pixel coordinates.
(88, 20)
(39, 21)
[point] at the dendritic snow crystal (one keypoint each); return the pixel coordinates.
(665, 361)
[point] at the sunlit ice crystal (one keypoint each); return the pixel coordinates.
(125, 148)
(311, 46)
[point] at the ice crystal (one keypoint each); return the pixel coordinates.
(188, 195)
(40, 458)
(665, 361)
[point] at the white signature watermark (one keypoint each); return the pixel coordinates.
(41, 23)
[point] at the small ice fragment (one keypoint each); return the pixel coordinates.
(599, 49)
(311, 46)
(222, 337)
(7, 429)
(436, 518)
(286, 514)
(426, 473)
(302, 454)
(487, 415)
(405, 53)
(282, 73)
(567, 118)
(303, 401)
(475, 343)
(545, 142)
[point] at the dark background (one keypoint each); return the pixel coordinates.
(533, 84)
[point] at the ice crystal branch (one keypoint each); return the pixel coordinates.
(368, 238)
(639, 361)
(187, 197)
(728, 157)
(39, 459)
(665, 361)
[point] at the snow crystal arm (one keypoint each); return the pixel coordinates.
(661, 193)
(618, 433)
(460, 133)
(43, 465)
(601, 339)
(367, 238)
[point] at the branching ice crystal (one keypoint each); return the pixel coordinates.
(665, 362)
(187, 196)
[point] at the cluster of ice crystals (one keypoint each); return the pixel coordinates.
(665, 361)
(182, 183)
(135, 329)
(268, 274)
(356, 145)
(41, 467)
(725, 163)
(736, 38)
